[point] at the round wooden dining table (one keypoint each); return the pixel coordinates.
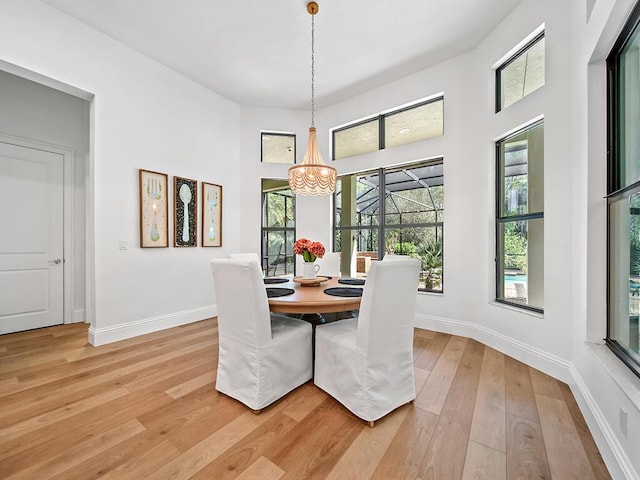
(312, 299)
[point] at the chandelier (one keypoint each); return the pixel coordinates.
(312, 176)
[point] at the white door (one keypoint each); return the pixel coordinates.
(31, 238)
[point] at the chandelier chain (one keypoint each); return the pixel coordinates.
(313, 61)
(312, 176)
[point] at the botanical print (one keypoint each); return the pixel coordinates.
(153, 209)
(211, 215)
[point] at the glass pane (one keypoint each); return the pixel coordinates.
(356, 200)
(419, 123)
(414, 194)
(278, 252)
(521, 262)
(360, 246)
(337, 240)
(522, 172)
(278, 227)
(424, 244)
(278, 148)
(279, 209)
(356, 140)
(522, 75)
(624, 277)
(628, 113)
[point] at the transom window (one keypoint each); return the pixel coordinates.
(521, 74)
(398, 127)
(278, 147)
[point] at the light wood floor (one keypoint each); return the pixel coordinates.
(146, 408)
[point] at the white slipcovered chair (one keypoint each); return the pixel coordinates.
(262, 356)
(391, 257)
(329, 265)
(366, 363)
(246, 256)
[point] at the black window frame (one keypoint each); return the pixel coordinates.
(277, 134)
(266, 255)
(381, 226)
(509, 61)
(380, 118)
(616, 191)
(501, 220)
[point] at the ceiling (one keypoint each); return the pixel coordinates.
(259, 53)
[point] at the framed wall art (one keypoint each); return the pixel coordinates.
(185, 207)
(154, 218)
(211, 215)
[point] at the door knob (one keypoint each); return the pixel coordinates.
(55, 261)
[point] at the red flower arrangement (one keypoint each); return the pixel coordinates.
(308, 249)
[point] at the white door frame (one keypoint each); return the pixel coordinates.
(69, 226)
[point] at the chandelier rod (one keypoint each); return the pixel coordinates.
(313, 71)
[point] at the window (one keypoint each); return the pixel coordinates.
(397, 210)
(356, 139)
(623, 195)
(398, 127)
(278, 147)
(278, 227)
(521, 74)
(414, 124)
(520, 218)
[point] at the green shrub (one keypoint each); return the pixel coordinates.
(405, 248)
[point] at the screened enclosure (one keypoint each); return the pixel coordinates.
(397, 210)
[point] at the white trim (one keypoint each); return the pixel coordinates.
(114, 333)
(387, 111)
(44, 80)
(69, 233)
(564, 370)
(545, 362)
(514, 308)
(409, 163)
(628, 383)
(276, 132)
(522, 126)
(507, 56)
(600, 429)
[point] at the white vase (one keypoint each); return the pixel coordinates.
(309, 270)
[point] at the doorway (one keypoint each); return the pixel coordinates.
(44, 153)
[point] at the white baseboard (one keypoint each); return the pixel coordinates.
(114, 333)
(600, 429)
(611, 450)
(550, 364)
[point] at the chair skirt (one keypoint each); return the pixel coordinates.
(258, 376)
(368, 390)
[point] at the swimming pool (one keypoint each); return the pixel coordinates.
(515, 278)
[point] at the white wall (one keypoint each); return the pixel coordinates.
(471, 127)
(143, 116)
(566, 340)
(255, 120)
(609, 389)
